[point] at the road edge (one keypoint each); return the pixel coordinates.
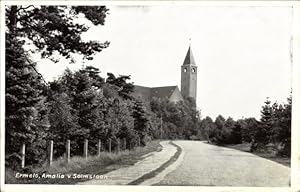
(143, 179)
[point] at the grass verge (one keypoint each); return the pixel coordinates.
(160, 169)
(271, 156)
(92, 166)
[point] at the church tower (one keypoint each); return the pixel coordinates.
(189, 76)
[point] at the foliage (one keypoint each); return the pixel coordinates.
(262, 134)
(96, 111)
(53, 29)
(273, 129)
(276, 120)
(249, 126)
(125, 88)
(26, 117)
(82, 105)
(64, 124)
(141, 120)
(180, 120)
(208, 127)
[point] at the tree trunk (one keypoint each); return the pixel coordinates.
(12, 17)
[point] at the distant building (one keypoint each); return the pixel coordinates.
(189, 76)
(172, 93)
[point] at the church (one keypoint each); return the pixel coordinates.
(172, 93)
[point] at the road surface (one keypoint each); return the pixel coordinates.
(209, 165)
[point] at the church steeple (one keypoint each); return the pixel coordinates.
(189, 76)
(189, 58)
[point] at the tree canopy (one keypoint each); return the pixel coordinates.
(54, 29)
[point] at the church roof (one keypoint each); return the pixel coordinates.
(146, 93)
(142, 92)
(189, 58)
(162, 92)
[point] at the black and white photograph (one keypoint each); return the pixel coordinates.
(149, 94)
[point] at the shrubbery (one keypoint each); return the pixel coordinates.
(273, 129)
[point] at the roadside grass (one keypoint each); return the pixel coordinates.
(160, 169)
(80, 166)
(271, 155)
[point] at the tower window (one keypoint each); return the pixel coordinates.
(193, 70)
(184, 70)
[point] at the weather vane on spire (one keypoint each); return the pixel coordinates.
(190, 41)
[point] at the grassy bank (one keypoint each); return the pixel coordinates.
(268, 155)
(92, 167)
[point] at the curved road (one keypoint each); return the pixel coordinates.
(209, 165)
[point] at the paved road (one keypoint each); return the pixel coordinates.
(208, 165)
(127, 174)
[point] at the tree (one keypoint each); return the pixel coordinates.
(236, 134)
(217, 135)
(249, 127)
(53, 28)
(24, 96)
(172, 115)
(86, 100)
(93, 73)
(155, 126)
(189, 120)
(263, 133)
(126, 123)
(282, 127)
(208, 127)
(141, 120)
(180, 119)
(64, 123)
(227, 135)
(124, 88)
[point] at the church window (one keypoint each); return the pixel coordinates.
(184, 70)
(193, 70)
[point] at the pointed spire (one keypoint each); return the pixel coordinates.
(189, 58)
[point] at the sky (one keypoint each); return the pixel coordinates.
(242, 53)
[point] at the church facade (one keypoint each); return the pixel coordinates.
(172, 93)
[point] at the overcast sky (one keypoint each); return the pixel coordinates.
(242, 53)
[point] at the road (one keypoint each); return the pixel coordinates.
(209, 165)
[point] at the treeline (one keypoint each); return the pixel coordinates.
(273, 130)
(181, 120)
(82, 105)
(79, 105)
(33, 109)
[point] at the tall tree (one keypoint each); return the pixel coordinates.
(51, 29)
(86, 100)
(64, 123)
(124, 88)
(263, 132)
(54, 29)
(219, 123)
(141, 120)
(23, 93)
(282, 127)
